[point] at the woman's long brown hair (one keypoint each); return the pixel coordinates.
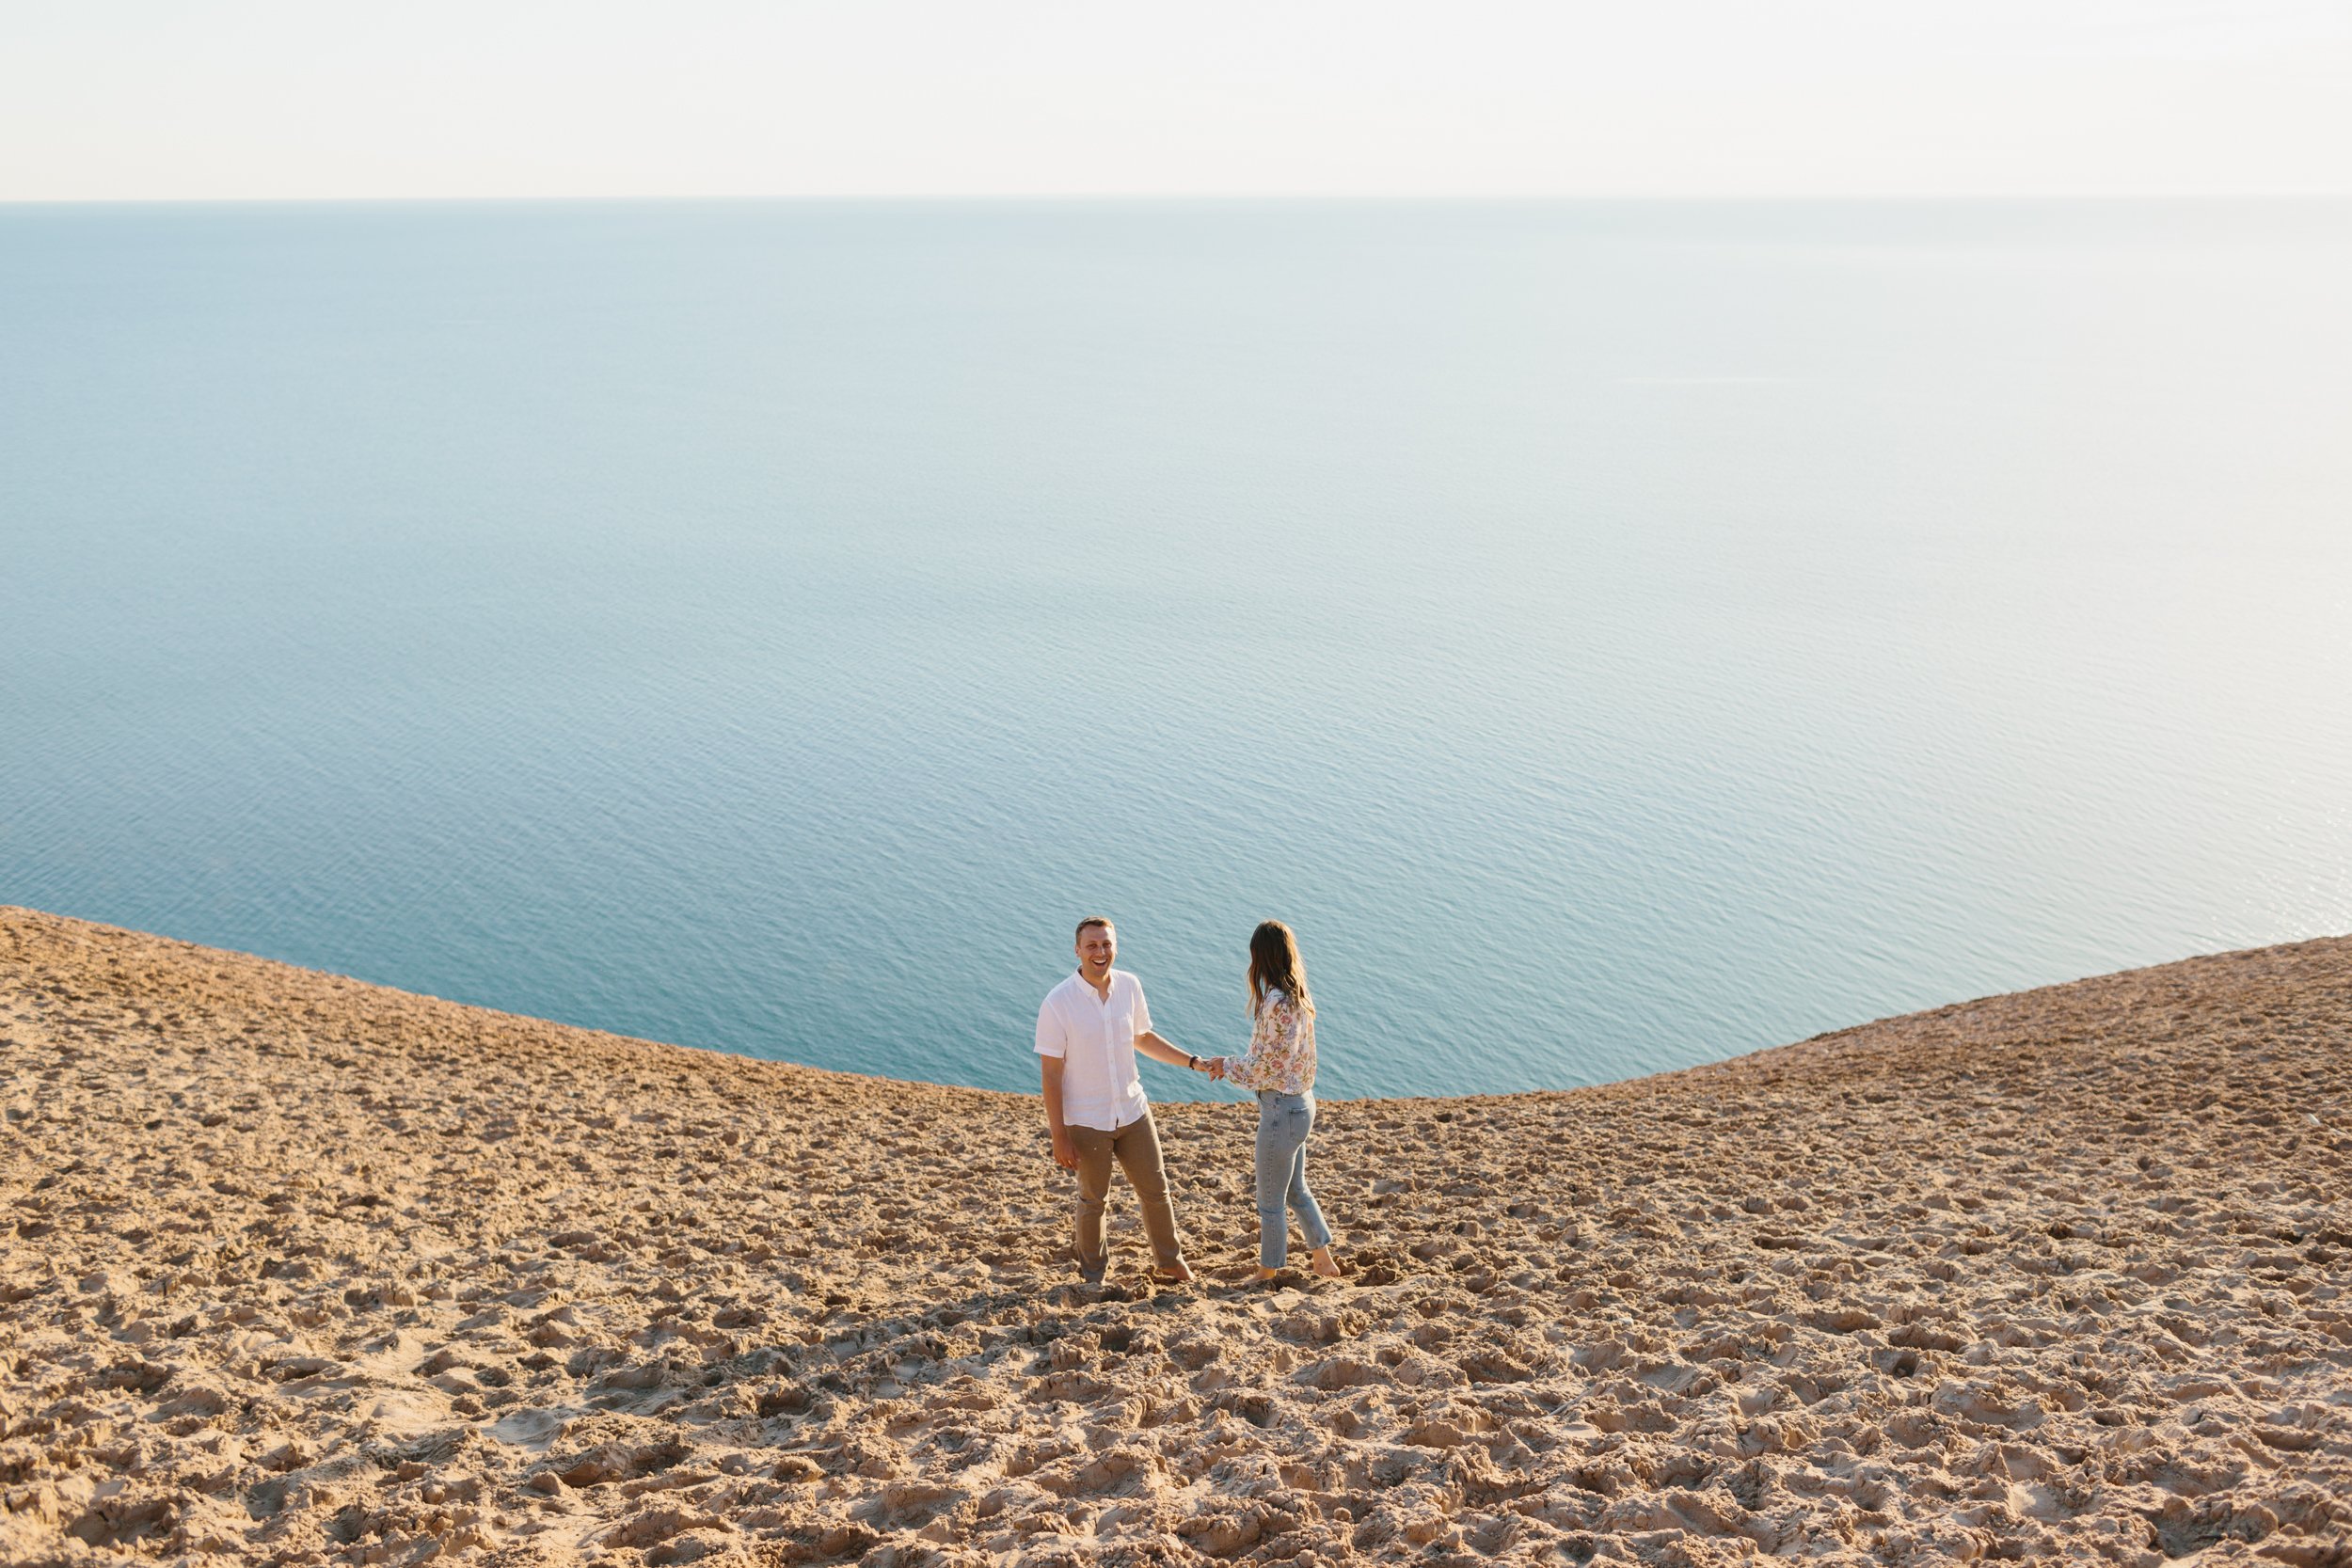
(1275, 965)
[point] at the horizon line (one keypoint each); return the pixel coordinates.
(1235, 199)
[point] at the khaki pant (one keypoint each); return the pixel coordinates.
(1137, 1148)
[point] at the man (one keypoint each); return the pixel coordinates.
(1088, 1033)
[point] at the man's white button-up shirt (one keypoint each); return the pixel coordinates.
(1095, 1038)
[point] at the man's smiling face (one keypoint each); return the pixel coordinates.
(1097, 946)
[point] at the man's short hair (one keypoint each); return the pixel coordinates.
(1092, 919)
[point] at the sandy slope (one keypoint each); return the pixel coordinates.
(298, 1270)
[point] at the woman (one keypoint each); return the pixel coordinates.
(1281, 1067)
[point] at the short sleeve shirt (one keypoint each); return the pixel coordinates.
(1095, 1038)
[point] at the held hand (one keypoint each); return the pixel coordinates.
(1217, 1069)
(1065, 1150)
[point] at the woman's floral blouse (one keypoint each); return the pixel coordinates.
(1281, 1054)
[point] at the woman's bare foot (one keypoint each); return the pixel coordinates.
(1179, 1275)
(1324, 1263)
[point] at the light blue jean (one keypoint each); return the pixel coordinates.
(1284, 1122)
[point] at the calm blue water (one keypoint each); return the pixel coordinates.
(1616, 637)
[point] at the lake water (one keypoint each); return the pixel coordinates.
(1615, 636)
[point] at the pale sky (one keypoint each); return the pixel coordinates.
(145, 99)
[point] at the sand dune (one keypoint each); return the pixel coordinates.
(296, 1269)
